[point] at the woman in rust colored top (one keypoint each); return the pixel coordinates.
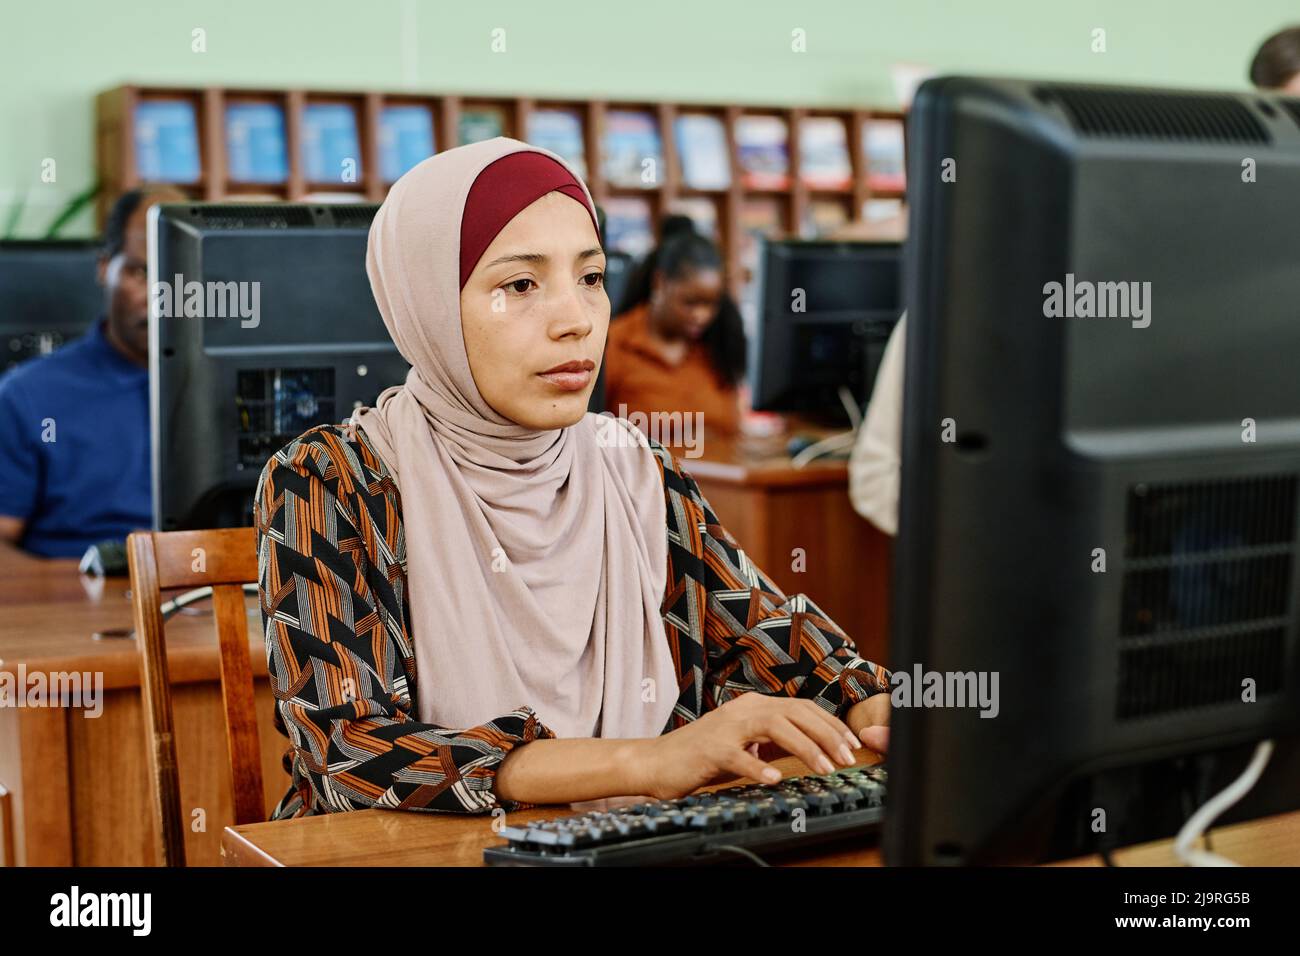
(677, 344)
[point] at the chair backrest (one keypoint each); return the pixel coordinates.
(224, 560)
(7, 834)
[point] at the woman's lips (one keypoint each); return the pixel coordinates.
(571, 376)
(568, 381)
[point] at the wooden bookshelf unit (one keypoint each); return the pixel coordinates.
(792, 207)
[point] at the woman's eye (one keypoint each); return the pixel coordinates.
(594, 279)
(520, 286)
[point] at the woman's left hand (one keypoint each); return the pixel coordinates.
(869, 721)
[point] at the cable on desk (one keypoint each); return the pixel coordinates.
(1202, 818)
(851, 407)
(837, 442)
(751, 856)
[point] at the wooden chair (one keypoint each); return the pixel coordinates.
(7, 835)
(225, 561)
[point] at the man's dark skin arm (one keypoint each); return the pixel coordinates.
(11, 531)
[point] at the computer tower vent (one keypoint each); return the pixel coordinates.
(1292, 106)
(1207, 600)
(350, 215)
(1188, 117)
(276, 405)
(255, 216)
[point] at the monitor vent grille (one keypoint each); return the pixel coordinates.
(1191, 117)
(362, 214)
(255, 216)
(1293, 107)
(1207, 592)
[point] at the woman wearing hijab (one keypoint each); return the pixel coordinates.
(476, 594)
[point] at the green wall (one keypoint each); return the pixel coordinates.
(55, 55)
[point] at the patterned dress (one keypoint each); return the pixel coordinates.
(335, 609)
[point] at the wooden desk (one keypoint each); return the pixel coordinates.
(406, 838)
(772, 509)
(80, 785)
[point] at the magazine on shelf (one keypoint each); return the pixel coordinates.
(255, 143)
(824, 153)
(632, 151)
(702, 149)
(478, 123)
(560, 131)
(405, 138)
(763, 148)
(331, 147)
(628, 227)
(166, 142)
(878, 210)
(882, 145)
(701, 210)
(822, 217)
(763, 215)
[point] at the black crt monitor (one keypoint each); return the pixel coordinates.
(1099, 499)
(825, 311)
(618, 269)
(49, 294)
(288, 337)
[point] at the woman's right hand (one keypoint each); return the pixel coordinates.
(719, 744)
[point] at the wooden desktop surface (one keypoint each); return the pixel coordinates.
(408, 838)
(761, 461)
(50, 615)
(85, 786)
(81, 786)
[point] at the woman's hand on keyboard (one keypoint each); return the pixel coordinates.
(718, 744)
(869, 721)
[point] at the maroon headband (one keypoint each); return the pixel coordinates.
(503, 190)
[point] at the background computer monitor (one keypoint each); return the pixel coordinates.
(225, 393)
(1035, 447)
(825, 311)
(618, 269)
(49, 294)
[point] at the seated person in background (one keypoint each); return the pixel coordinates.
(74, 424)
(877, 453)
(677, 344)
(874, 463)
(472, 597)
(1276, 65)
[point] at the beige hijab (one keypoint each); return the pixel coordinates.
(537, 560)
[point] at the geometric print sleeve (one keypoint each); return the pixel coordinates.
(755, 637)
(341, 662)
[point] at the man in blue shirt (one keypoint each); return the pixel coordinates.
(74, 425)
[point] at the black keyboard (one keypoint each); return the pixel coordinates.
(721, 826)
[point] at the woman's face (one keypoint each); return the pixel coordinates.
(534, 315)
(686, 306)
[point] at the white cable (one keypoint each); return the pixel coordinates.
(850, 406)
(189, 597)
(833, 443)
(1210, 810)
